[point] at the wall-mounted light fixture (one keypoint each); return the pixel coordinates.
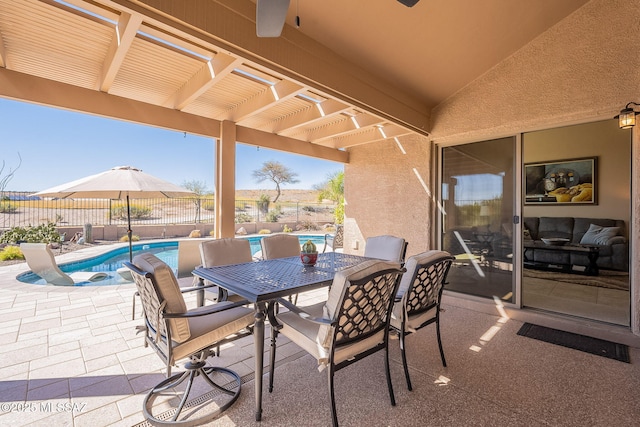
(627, 117)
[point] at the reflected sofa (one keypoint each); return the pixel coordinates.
(608, 234)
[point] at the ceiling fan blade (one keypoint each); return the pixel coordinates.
(270, 16)
(409, 3)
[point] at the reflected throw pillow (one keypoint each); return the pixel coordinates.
(597, 235)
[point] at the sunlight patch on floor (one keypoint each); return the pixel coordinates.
(493, 330)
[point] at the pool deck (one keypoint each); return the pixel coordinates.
(78, 345)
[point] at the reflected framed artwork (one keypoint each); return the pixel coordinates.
(561, 182)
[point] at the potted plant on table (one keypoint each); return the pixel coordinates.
(309, 253)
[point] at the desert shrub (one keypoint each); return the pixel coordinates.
(309, 209)
(119, 211)
(264, 231)
(263, 203)
(195, 234)
(134, 238)
(287, 229)
(44, 233)
(11, 252)
(6, 207)
(243, 217)
(272, 216)
(307, 225)
(209, 206)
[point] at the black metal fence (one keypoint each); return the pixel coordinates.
(20, 209)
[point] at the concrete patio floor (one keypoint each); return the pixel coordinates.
(71, 356)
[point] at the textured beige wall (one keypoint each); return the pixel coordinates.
(584, 69)
(387, 192)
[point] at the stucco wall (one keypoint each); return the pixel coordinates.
(584, 69)
(387, 192)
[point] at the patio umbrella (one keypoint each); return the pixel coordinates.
(120, 182)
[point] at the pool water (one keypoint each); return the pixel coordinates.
(111, 261)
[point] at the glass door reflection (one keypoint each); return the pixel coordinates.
(477, 199)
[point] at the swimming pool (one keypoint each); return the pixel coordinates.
(112, 260)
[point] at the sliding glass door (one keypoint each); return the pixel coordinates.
(477, 203)
(563, 280)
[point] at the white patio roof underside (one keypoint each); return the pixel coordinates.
(121, 59)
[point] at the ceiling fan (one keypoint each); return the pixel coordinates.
(270, 16)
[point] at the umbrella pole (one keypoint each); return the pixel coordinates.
(129, 232)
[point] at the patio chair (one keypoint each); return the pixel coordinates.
(176, 333)
(386, 247)
(188, 260)
(42, 262)
(418, 299)
(352, 324)
(335, 240)
(223, 252)
(280, 246)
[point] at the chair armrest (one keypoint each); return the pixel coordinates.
(303, 314)
(197, 288)
(206, 310)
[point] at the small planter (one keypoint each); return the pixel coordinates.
(309, 258)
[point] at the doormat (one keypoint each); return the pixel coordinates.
(590, 345)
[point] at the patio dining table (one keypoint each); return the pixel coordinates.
(262, 282)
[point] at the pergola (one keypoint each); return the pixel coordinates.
(197, 66)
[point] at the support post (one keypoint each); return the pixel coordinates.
(225, 180)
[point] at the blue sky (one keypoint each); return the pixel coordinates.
(58, 146)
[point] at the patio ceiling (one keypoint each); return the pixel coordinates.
(190, 66)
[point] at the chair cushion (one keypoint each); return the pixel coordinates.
(169, 290)
(280, 246)
(304, 334)
(413, 262)
(225, 252)
(411, 265)
(209, 329)
(338, 288)
(388, 248)
(413, 320)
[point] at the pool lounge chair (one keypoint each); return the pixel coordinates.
(41, 261)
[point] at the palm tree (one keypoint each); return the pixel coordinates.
(333, 189)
